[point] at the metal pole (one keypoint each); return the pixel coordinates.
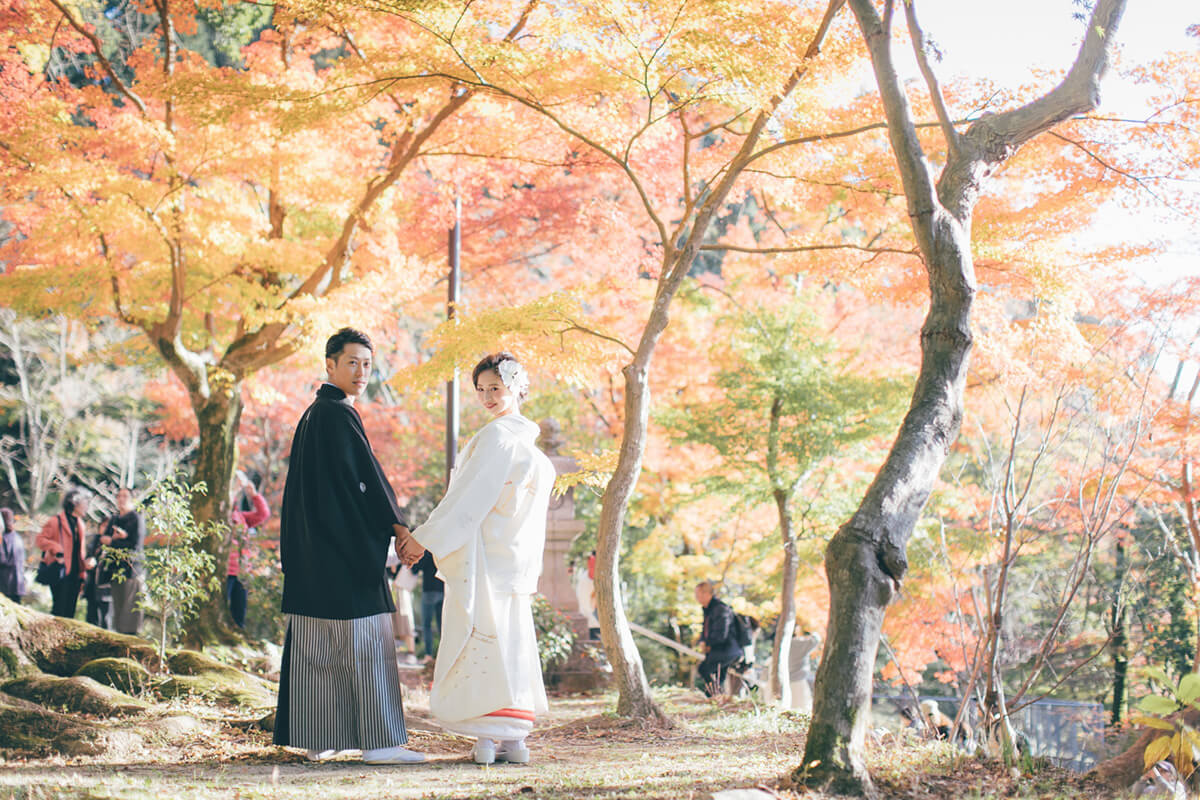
(451, 306)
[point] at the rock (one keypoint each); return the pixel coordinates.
(42, 643)
(75, 743)
(197, 674)
(267, 723)
(122, 674)
(177, 726)
(27, 727)
(77, 694)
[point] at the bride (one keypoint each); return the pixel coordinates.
(487, 537)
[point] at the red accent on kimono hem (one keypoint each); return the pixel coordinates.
(518, 713)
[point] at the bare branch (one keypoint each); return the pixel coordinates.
(99, 50)
(804, 248)
(917, 35)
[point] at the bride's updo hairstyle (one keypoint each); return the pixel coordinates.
(511, 373)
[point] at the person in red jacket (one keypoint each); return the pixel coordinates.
(243, 521)
(61, 540)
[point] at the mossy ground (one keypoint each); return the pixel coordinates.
(580, 750)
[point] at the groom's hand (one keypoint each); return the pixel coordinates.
(407, 549)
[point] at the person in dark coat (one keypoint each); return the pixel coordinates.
(12, 558)
(339, 686)
(97, 584)
(718, 640)
(126, 531)
(433, 594)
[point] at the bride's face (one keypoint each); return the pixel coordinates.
(494, 395)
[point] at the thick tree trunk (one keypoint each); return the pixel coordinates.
(219, 416)
(866, 559)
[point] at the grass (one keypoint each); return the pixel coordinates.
(580, 750)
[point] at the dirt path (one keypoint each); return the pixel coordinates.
(579, 751)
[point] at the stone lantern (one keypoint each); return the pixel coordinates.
(561, 526)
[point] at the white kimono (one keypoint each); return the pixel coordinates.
(487, 537)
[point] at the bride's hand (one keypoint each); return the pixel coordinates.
(407, 549)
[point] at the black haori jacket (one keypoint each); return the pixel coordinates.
(337, 517)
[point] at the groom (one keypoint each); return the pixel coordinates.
(339, 687)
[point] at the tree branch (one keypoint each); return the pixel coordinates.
(917, 35)
(803, 248)
(104, 62)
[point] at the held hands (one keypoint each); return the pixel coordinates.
(407, 549)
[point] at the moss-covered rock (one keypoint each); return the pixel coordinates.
(244, 691)
(197, 674)
(27, 727)
(61, 646)
(191, 662)
(73, 695)
(10, 665)
(122, 674)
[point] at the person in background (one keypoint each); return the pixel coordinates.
(61, 541)
(433, 594)
(244, 522)
(402, 621)
(97, 583)
(800, 670)
(584, 580)
(718, 641)
(12, 558)
(125, 531)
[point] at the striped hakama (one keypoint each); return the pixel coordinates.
(339, 686)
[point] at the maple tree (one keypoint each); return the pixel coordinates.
(867, 558)
(233, 214)
(784, 407)
(677, 116)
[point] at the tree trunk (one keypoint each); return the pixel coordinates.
(994, 713)
(218, 416)
(866, 559)
(634, 699)
(1122, 770)
(1120, 638)
(779, 682)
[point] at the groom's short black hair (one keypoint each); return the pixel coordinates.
(337, 343)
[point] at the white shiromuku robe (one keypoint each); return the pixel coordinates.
(487, 537)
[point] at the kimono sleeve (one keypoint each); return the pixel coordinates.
(382, 509)
(471, 496)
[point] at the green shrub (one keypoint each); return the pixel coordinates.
(556, 637)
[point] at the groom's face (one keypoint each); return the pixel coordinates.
(351, 369)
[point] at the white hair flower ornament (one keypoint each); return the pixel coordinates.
(514, 376)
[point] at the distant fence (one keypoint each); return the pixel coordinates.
(1068, 733)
